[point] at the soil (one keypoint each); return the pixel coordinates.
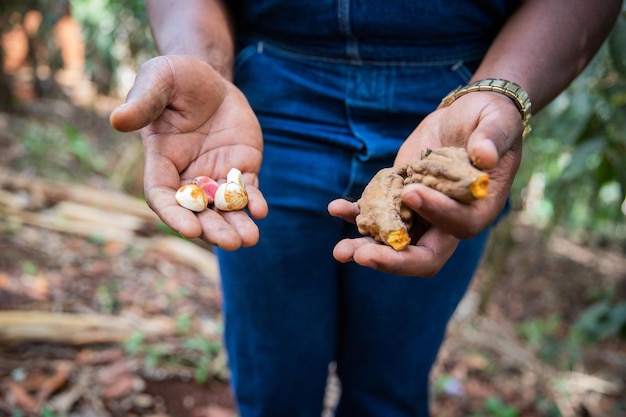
(510, 350)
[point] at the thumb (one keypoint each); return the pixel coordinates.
(147, 99)
(499, 129)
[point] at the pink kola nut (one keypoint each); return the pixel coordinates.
(208, 185)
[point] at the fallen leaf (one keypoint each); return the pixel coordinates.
(109, 375)
(20, 397)
(51, 384)
(5, 283)
(124, 385)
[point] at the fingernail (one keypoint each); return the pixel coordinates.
(411, 197)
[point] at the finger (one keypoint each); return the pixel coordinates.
(179, 219)
(344, 209)
(247, 231)
(424, 259)
(227, 230)
(147, 99)
(499, 128)
(232, 229)
(257, 205)
(218, 231)
(464, 221)
(344, 249)
(161, 180)
(240, 222)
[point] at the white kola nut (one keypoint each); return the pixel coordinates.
(234, 175)
(191, 197)
(232, 194)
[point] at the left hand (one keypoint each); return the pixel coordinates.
(489, 126)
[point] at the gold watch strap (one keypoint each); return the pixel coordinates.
(508, 88)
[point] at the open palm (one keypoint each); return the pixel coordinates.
(194, 122)
(489, 127)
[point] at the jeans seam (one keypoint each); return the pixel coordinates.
(343, 17)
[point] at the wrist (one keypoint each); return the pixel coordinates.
(513, 91)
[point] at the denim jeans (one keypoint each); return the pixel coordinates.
(290, 308)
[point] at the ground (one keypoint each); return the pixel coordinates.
(75, 239)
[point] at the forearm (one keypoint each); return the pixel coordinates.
(194, 27)
(547, 43)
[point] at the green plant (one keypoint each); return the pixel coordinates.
(134, 343)
(45, 412)
(553, 345)
(601, 320)
(106, 296)
(183, 323)
(155, 353)
(203, 352)
(117, 37)
(496, 408)
(449, 385)
(29, 267)
(197, 353)
(573, 175)
(82, 150)
(53, 151)
(538, 330)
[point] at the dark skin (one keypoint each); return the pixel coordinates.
(190, 126)
(449, 220)
(203, 126)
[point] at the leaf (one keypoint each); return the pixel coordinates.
(617, 46)
(604, 172)
(601, 320)
(568, 116)
(578, 163)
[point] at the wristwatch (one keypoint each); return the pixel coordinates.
(508, 88)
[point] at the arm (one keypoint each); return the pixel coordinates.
(542, 47)
(199, 28)
(547, 43)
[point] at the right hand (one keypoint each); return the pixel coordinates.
(194, 122)
(489, 126)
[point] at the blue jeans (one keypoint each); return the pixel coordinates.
(289, 307)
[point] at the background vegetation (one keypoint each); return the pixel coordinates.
(573, 174)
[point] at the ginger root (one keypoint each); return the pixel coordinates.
(383, 214)
(387, 219)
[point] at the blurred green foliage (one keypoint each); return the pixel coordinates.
(116, 34)
(117, 38)
(573, 172)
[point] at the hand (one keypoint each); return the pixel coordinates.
(490, 127)
(193, 122)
